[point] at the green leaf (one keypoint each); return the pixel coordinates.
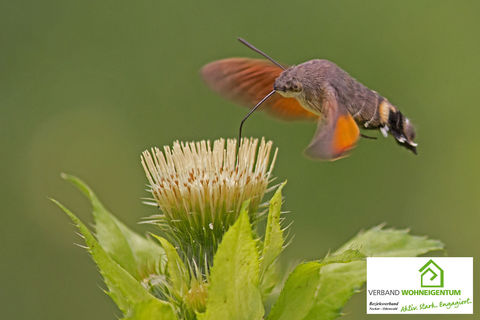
(298, 295)
(233, 292)
(345, 256)
(150, 258)
(138, 255)
(273, 244)
(336, 282)
(270, 280)
(178, 275)
(151, 310)
(379, 242)
(125, 290)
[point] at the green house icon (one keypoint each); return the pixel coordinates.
(431, 275)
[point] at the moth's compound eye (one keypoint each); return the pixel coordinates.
(296, 86)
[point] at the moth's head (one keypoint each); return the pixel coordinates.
(287, 84)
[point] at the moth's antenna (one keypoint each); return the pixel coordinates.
(245, 42)
(250, 112)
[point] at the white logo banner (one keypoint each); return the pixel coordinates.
(420, 285)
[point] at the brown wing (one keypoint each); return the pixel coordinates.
(336, 134)
(247, 81)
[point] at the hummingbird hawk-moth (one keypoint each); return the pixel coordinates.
(314, 90)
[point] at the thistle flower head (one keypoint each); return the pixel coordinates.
(200, 189)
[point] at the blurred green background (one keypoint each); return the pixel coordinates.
(85, 86)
